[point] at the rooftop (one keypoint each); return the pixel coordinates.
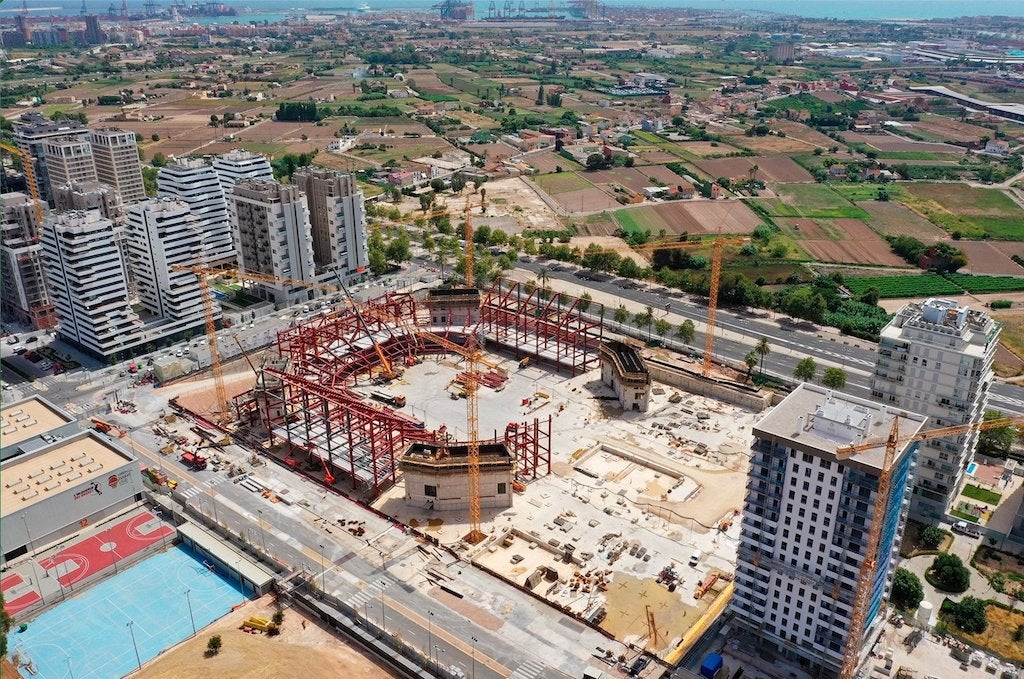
(31, 478)
(626, 357)
(451, 458)
(818, 420)
(29, 418)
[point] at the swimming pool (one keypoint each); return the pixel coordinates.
(971, 468)
(90, 635)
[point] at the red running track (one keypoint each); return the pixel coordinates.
(82, 559)
(21, 601)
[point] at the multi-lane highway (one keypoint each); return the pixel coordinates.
(738, 331)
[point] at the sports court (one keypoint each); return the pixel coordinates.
(90, 634)
(121, 540)
(18, 594)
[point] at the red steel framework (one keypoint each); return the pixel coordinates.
(543, 326)
(304, 402)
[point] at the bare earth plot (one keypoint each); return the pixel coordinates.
(987, 258)
(660, 173)
(773, 168)
(951, 129)
(806, 134)
(303, 649)
(548, 161)
(586, 200)
(890, 142)
(771, 144)
(629, 177)
(893, 219)
(697, 217)
(705, 148)
(657, 156)
(848, 241)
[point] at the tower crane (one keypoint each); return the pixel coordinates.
(30, 176)
(223, 411)
(717, 245)
(862, 597)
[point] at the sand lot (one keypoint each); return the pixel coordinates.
(301, 650)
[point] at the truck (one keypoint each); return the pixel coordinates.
(396, 400)
(193, 461)
(968, 529)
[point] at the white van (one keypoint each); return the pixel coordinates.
(695, 557)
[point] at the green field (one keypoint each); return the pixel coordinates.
(561, 182)
(861, 192)
(973, 212)
(629, 223)
(814, 201)
(984, 284)
(892, 287)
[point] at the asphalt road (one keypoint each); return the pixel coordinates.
(755, 324)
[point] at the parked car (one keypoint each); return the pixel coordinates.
(20, 350)
(13, 339)
(965, 528)
(45, 365)
(30, 340)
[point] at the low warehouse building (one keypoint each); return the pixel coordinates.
(623, 369)
(437, 477)
(57, 489)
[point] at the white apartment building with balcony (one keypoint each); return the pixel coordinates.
(31, 132)
(88, 282)
(162, 233)
(806, 520)
(195, 182)
(236, 165)
(935, 358)
(23, 292)
(272, 237)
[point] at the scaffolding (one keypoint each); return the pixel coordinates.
(530, 445)
(541, 325)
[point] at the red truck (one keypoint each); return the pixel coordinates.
(193, 461)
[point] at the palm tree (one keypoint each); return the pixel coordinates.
(543, 277)
(751, 360)
(762, 349)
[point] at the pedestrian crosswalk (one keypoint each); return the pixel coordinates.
(372, 592)
(528, 670)
(201, 488)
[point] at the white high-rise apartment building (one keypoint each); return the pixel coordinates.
(31, 132)
(88, 282)
(196, 183)
(337, 216)
(68, 160)
(162, 233)
(272, 236)
(116, 154)
(806, 520)
(236, 165)
(935, 358)
(90, 195)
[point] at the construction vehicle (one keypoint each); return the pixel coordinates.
(865, 579)
(396, 400)
(193, 461)
(106, 427)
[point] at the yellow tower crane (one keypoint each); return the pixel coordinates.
(865, 579)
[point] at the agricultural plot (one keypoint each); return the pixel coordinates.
(893, 143)
(973, 212)
(771, 144)
(891, 287)
(703, 149)
(890, 218)
(561, 182)
(806, 134)
(949, 129)
(548, 161)
(773, 169)
(628, 177)
(815, 201)
(696, 217)
(979, 285)
(984, 257)
(845, 241)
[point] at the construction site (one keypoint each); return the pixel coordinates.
(507, 427)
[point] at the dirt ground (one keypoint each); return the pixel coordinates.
(303, 649)
(893, 219)
(774, 168)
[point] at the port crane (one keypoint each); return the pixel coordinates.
(862, 597)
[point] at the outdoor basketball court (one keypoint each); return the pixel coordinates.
(108, 629)
(119, 541)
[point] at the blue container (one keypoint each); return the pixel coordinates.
(711, 666)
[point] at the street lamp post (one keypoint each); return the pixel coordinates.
(238, 569)
(67, 658)
(430, 631)
(190, 617)
(472, 648)
(131, 630)
(383, 623)
(263, 536)
(323, 572)
(437, 659)
(113, 552)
